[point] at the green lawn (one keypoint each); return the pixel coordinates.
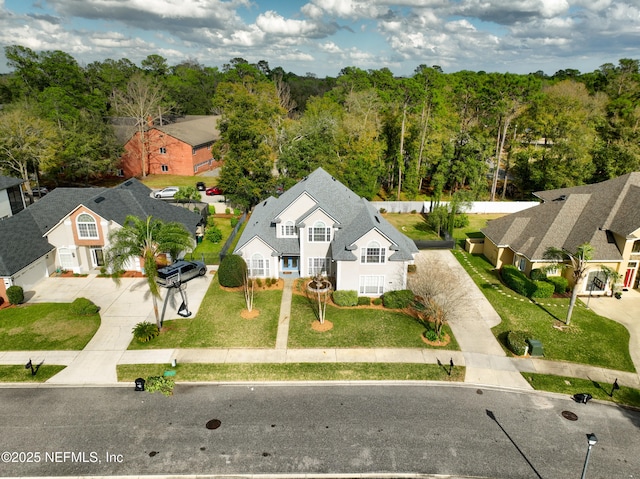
(590, 339)
(356, 328)
(476, 223)
(156, 182)
(414, 225)
(45, 326)
(18, 374)
(294, 372)
(571, 386)
(219, 324)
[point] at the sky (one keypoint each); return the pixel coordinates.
(324, 36)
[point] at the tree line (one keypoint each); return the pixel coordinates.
(477, 134)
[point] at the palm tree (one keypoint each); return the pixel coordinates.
(578, 261)
(146, 239)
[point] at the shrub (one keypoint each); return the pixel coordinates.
(84, 306)
(517, 342)
(364, 301)
(232, 271)
(431, 335)
(213, 234)
(267, 282)
(145, 331)
(544, 289)
(211, 221)
(377, 301)
(259, 282)
(160, 384)
(412, 268)
(560, 284)
(461, 220)
(227, 211)
(237, 212)
(383, 210)
(397, 299)
(516, 280)
(345, 298)
(15, 294)
(538, 275)
(233, 221)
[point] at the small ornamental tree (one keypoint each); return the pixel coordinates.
(232, 271)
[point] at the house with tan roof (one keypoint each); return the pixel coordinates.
(606, 215)
(182, 147)
(319, 226)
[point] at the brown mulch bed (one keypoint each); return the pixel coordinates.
(253, 314)
(442, 342)
(321, 328)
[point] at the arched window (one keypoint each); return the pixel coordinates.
(319, 233)
(288, 229)
(373, 253)
(87, 226)
(258, 266)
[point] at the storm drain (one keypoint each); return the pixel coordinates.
(213, 424)
(571, 416)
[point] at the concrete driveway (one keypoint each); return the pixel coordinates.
(121, 308)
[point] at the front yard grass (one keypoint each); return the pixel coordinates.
(413, 225)
(356, 328)
(294, 372)
(45, 326)
(18, 374)
(219, 324)
(590, 338)
(157, 182)
(571, 386)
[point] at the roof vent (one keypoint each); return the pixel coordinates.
(128, 183)
(99, 199)
(377, 219)
(561, 198)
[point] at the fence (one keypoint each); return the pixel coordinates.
(475, 207)
(232, 236)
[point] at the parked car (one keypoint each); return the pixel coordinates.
(40, 191)
(214, 190)
(180, 272)
(168, 192)
(200, 186)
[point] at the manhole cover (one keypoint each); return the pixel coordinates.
(213, 424)
(571, 416)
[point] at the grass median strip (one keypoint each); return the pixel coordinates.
(19, 374)
(571, 386)
(188, 372)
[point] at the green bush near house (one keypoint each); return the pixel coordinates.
(84, 307)
(15, 294)
(560, 284)
(345, 298)
(377, 301)
(145, 331)
(544, 289)
(537, 275)
(213, 234)
(232, 271)
(399, 299)
(516, 280)
(364, 301)
(517, 342)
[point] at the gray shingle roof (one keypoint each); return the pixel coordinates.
(354, 217)
(194, 130)
(22, 235)
(569, 217)
(8, 182)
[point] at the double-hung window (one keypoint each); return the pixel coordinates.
(371, 285)
(373, 253)
(318, 265)
(87, 226)
(288, 229)
(319, 233)
(258, 266)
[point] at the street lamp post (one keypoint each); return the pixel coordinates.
(592, 439)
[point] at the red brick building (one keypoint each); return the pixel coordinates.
(179, 148)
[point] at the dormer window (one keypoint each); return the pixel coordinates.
(87, 227)
(373, 253)
(288, 229)
(319, 233)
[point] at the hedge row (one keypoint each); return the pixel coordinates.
(517, 281)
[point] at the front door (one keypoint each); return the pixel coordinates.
(630, 275)
(290, 264)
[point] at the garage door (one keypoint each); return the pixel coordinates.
(31, 274)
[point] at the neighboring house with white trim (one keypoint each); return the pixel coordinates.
(606, 215)
(11, 196)
(69, 229)
(321, 226)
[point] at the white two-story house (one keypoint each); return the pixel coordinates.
(321, 226)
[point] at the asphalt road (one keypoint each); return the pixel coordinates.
(312, 429)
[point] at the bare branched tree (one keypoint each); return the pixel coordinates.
(436, 288)
(143, 101)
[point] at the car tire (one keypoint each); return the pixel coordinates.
(203, 271)
(158, 196)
